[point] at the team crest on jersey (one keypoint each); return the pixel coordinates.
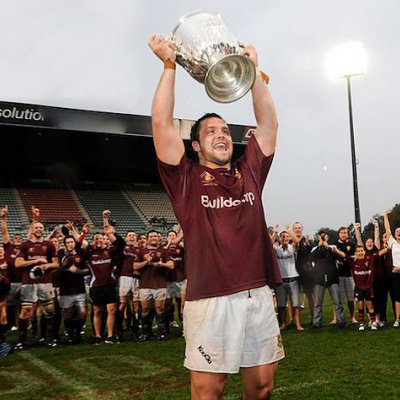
(158, 254)
(105, 253)
(77, 259)
(207, 179)
(31, 250)
(44, 248)
(348, 248)
(238, 175)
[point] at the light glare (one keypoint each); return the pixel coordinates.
(347, 59)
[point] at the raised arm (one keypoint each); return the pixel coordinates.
(357, 228)
(4, 227)
(377, 242)
(167, 139)
(264, 108)
(387, 223)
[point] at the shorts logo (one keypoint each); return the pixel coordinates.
(204, 354)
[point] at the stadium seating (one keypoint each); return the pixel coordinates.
(154, 204)
(56, 205)
(122, 211)
(18, 221)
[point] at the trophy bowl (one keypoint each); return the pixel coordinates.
(211, 54)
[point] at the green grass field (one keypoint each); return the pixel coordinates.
(320, 364)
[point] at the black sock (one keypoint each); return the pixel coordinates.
(3, 332)
(23, 329)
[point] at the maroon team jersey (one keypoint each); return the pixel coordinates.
(11, 253)
(228, 248)
(129, 255)
(363, 271)
(101, 265)
(31, 250)
(153, 277)
(177, 256)
(69, 282)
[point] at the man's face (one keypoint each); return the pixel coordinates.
(343, 235)
(98, 241)
(131, 238)
(17, 240)
(152, 239)
(285, 238)
(298, 230)
(70, 244)
(171, 236)
(360, 252)
(56, 243)
(215, 142)
(37, 230)
(142, 240)
(397, 234)
(160, 238)
(369, 244)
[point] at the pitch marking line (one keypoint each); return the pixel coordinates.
(59, 376)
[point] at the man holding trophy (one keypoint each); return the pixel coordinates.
(229, 318)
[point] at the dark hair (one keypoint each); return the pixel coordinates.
(343, 228)
(194, 131)
(171, 230)
(68, 237)
(151, 231)
(322, 232)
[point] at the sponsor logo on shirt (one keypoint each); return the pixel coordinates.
(222, 202)
(362, 272)
(97, 262)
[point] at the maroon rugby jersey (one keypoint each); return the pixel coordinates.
(31, 250)
(11, 253)
(363, 271)
(228, 248)
(71, 283)
(153, 277)
(101, 265)
(129, 255)
(177, 256)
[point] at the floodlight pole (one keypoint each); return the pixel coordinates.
(353, 155)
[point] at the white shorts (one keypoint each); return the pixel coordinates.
(69, 301)
(175, 288)
(152, 294)
(226, 333)
(128, 285)
(31, 293)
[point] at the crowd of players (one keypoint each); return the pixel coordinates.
(135, 284)
(45, 281)
(364, 273)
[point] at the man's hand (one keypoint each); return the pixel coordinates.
(387, 212)
(4, 212)
(148, 258)
(357, 226)
(106, 214)
(73, 269)
(86, 229)
(251, 52)
(375, 223)
(162, 47)
(35, 213)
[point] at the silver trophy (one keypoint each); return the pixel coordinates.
(211, 55)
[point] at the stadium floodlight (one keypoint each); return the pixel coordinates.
(345, 61)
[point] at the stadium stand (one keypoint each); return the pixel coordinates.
(154, 204)
(18, 220)
(57, 205)
(122, 212)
